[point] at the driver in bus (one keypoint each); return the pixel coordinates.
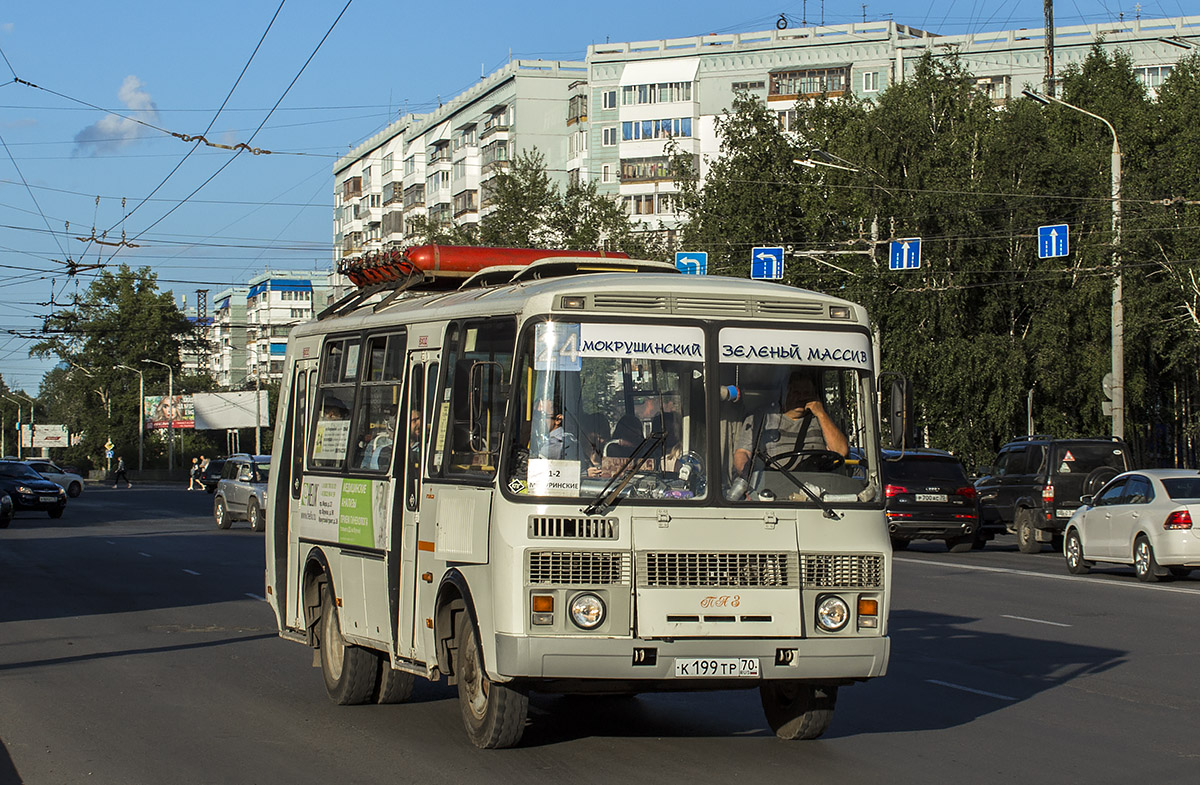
(553, 441)
(802, 423)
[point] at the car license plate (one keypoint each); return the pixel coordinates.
(717, 667)
(1064, 513)
(47, 499)
(932, 497)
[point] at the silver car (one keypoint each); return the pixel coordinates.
(71, 482)
(241, 492)
(1143, 518)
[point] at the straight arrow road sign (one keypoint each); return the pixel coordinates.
(905, 254)
(1052, 241)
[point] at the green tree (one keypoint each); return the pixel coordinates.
(122, 319)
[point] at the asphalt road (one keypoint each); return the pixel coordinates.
(135, 648)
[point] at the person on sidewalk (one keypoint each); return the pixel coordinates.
(194, 476)
(120, 474)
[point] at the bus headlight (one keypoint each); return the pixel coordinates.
(587, 611)
(832, 613)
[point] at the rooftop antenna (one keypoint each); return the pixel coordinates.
(864, 6)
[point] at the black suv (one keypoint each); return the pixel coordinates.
(927, 496)
(1037, 482)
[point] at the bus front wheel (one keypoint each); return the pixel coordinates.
(796, 710)
(493, 713)
(350, 671)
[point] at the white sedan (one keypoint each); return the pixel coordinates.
(1143, 518)
(72, 483)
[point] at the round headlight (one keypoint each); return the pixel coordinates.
(587, 611)
(832, 614)
(25, 489)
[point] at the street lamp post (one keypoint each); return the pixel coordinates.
(32, 428)
(1118, 310)
(171, 425)
(141, 415)
(18, 403)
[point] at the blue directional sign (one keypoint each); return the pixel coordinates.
(905, 254)
(692, 262)
(1052, 241)
(766, 264)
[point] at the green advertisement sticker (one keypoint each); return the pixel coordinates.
(354, 514)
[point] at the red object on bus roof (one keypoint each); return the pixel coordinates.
(450, 261)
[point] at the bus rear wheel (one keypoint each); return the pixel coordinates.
(350, 671)
(493, 713)
(796, 710)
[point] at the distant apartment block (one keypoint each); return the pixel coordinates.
(609, 118)
(227, 338)
(276, 301)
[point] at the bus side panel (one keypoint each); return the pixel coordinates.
(361, 583)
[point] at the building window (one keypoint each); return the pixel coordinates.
(809, 83)
(1153, 76)
(410, 164)
(870, 81)
(439, 152)
(437, 181)
(465, 202)
(662, 93)
(465, 137)
(640, 204)
(352, 188)
(609, 136)
(387, 163)
(577, 144)
(665, 202)
(459, 170)
(606, 173)
(635, 170)
(414, 195)
(609, 99)
(748, 86)
(656, 129)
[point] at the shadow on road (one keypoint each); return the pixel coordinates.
(8, 772)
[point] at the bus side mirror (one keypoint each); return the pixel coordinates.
(900, 413)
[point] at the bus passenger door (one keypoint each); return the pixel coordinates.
(286, 490)
(409, 469)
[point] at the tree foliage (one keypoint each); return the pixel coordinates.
(984, 320)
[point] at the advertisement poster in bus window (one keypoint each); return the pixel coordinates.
(347, 511)
(331, 440)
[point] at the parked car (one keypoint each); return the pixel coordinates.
(69, 480)
(29, 490)
(241, 493)
(210, 475)
(927, 496)
(1143, 518)
(6, 510)
(1038, 481)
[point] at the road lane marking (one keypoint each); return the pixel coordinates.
(1083, 579)
(256, 597)
(995, 695)
(191, 572)
(1035, 621)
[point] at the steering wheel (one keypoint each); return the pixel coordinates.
(810, 460)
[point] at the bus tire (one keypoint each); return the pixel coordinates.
(349, 671)
(494, 714)
(394, 686)
(797, 710)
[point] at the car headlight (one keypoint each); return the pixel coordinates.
(587, 611)
(25, 489)
(832, 613)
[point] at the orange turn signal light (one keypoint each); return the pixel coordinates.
(543, 603)
(868, 606)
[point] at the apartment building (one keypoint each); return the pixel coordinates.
(227, 338)
(276, 301)
(610, 117)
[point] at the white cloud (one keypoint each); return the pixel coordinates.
(112, 132)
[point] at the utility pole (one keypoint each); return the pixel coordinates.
(1049, 84)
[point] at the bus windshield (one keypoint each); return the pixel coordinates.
(591, 397)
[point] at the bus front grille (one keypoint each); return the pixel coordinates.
(773, 569)
(567, 527)
(843, 570)
(577, 568)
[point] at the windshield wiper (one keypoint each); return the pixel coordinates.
(779, 467)
(607, 498)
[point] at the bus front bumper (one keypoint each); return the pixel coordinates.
(634, 660)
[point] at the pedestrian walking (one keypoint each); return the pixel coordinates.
(120, 474)
(194, 476)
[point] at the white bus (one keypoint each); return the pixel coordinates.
(580, 475)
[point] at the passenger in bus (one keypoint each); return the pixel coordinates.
(801, 423)
(627, 435)
(658, 411)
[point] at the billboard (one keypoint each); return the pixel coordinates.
(223, 411)
(39, 435)
(166, 411)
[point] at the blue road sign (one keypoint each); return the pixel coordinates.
(766, 264)
(905, 254)
(108, 453)
(692, 262)
(1052, 241)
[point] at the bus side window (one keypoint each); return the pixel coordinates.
(375, 421)
(330, 440)
(414, 433)
(478, 365)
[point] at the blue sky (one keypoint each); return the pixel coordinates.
(71, 138)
